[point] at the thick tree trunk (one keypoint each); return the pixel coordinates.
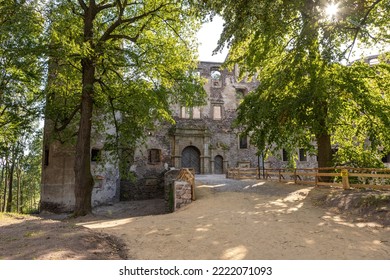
(19, 190)
(10, 185)
(82, 168)
(324, 154)
(1, 182)
(83, 177)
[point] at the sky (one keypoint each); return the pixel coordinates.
(209, 34)
(208, 37)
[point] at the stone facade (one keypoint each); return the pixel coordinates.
(202, 138)
(57, 192)
(177, 192)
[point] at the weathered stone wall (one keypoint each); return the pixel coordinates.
(178, 194)
(58, 178)
(169, 198)
(275, 161)
(183, 194)
(142, 189)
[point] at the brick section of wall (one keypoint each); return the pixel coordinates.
(142, 189)
(183, 195)
(177, 193)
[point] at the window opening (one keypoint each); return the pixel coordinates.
(243, 142)
(302, 155)
(217, 112)
(95, 155)
(154, 156)
(285, 155)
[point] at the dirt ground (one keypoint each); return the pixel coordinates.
(229, 220)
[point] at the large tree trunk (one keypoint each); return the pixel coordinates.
(1, 182)
(19, 189)
(10, 184)
(83, 177)
(82, 168)
(324, 151)
(324, 154)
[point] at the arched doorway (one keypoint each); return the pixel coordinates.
(190, 158)
(218, 165)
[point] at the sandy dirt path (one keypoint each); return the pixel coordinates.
(245, 220)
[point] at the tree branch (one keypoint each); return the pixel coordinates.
(121, 21)
(103, 6)
(67, 121)
(126, 37)
(362, 22)
(83, 5)
(74, 9)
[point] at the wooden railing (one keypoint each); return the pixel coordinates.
(243, 173)
(345, 177)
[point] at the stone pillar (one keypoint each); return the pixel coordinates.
(225, 166)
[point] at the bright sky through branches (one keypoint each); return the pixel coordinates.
(208, 37)
(331, 10)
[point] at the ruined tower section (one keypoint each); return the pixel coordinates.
(57, 189)
(60, 130)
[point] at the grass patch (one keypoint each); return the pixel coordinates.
(12, 216)
(33, 234)
(375, 200)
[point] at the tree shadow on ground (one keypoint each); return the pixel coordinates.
(28, 238)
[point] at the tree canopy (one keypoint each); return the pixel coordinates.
(21, 102)
(311, 93)
(117, 63)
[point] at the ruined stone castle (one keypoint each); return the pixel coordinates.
(202, 138)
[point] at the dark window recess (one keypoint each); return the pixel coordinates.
(154, 156)
(95, 154)
(302, 155)
(46, 157)
(386, 158)
(243, 142)
(285, 155)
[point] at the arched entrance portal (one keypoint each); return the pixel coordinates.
(190, 158)
(218, 165)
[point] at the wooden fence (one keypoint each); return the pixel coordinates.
(345, 177)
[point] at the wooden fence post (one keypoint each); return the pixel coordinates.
(295, 176)
(344, 176)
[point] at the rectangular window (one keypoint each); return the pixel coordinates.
(217, 112)
(46, 156)
(243, 142)
(386, 158)
(302, 155)
(95, 155)
(154, 156)
(190, 113)
(185, 113)
(196, 113)
(285, 155)
(240, 93)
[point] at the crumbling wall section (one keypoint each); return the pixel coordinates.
(178, 194)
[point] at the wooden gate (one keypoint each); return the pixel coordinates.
(190, 158)
(218, 165)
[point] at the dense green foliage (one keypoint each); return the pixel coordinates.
(117, 64)
(310, 94)
(21, 72)
(140, 67)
